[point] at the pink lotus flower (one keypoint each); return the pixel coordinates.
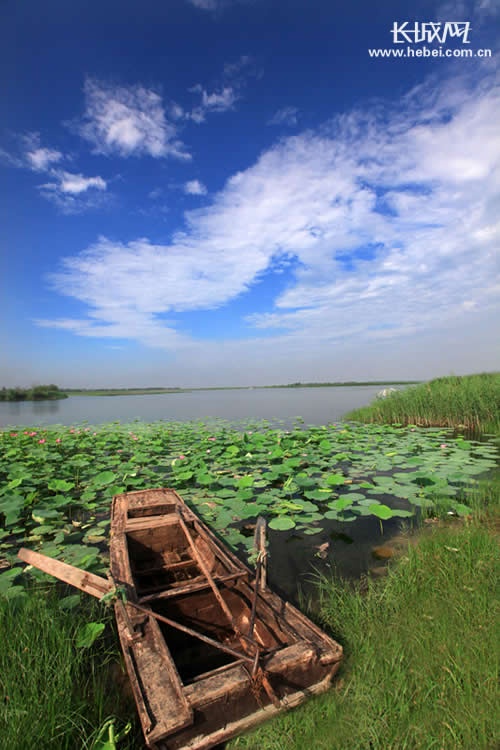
(32, 433)
(42, 440)
(119, 450)
(94, 433)
(25, 433)
(71, 431)
(210, 438)
(87, 429)
(58, 440)
(443, 445)
(14, 434)
(181, 458)
(412, 429)
(208, 450)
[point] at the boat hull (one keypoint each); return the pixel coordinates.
(180, 580)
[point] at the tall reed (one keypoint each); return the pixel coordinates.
(471, 402)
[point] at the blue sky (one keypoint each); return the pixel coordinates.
(235, 192)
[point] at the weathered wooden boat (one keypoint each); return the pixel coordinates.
(209, 649)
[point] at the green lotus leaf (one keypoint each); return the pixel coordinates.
(8, 577)
(382, 511)
(103, 478)
(282, 523)
(331, 515)
(335, 479)
(60, 485)
(354, 496)
(345, 518)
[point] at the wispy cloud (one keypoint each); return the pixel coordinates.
(69, 191)
(31, 155)
(206, 4)
(285, 116)
(74, 184)
(217, 101)
(41, 158)
(195, 187)
(224, 93)
(215, 5)
(129, 121)
(73, 193)
(389, 217)
(468, 10)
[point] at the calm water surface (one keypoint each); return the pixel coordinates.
(314, 405)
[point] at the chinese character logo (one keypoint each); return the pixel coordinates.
(430, 31)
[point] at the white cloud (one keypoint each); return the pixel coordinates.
(41, 158)
(218, 101)
(206, 4)
(176, 111)
(129, 121)
(73, 183)
(73, 193)
(36, 157)
(215, 5)
(195, 187)
(389, 218)
(285, 116)
(477, 13)
(70, 192)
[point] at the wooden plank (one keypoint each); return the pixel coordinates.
(189, 588)
(204, 740)
(81, 579)
(140, 523)
(156, 684)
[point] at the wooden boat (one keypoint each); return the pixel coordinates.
(209, 649)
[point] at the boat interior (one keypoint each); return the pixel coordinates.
(169, 557)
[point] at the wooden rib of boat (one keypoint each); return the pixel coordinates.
(209, 649)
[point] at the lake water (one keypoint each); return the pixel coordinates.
(314, 405)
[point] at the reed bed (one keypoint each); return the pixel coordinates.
(470, 402)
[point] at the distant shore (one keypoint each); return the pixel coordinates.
(159, 391)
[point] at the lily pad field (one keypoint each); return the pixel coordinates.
(56, 484)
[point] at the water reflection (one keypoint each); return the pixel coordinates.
(44, 408)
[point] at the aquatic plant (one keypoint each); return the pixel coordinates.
(56, 484)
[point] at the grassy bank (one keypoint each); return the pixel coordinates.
(469, 401)
(55, 693)
(422, 650)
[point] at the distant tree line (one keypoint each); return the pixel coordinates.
(344, 383)
(37, 393)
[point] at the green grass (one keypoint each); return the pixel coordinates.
(469, 401)
(421, 647)
(52, 693)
